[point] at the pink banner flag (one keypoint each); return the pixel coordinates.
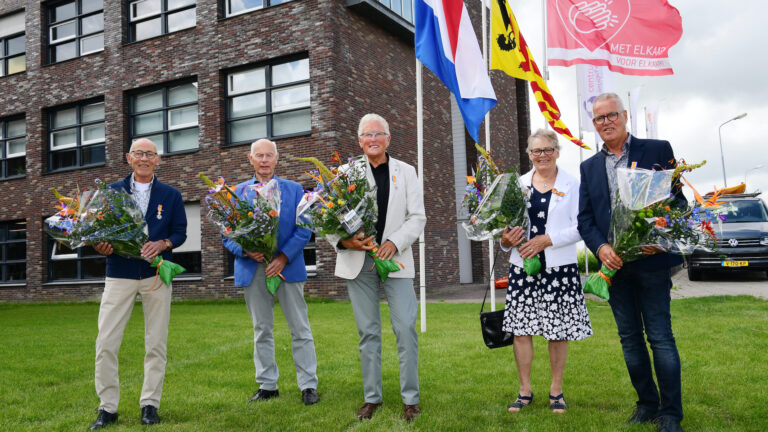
(630, 37)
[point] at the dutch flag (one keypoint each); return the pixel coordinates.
(447, 45)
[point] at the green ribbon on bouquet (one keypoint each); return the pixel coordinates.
(532, 266)
(598, 283)
(384, 267)
(273, 283)
(166, 270)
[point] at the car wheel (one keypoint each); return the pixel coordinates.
(694, 275)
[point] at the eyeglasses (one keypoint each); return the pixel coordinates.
(138, 154)
(601, 119)
(264, 156)
(549, 151)
(374, 135)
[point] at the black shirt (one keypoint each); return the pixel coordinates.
(381, 176)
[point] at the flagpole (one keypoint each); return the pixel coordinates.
(544, 46)
(581, 153)
(420, 160)
(488, 148)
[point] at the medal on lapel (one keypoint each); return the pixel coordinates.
(159, 211)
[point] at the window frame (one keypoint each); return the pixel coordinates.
(78, 37)
(5, 58)
(4, 242)
(4, 140)
(388, 4)
(77, 257)
(264, 5)
(268, 91)
(79, 143)
(165, 109)
(163, 13)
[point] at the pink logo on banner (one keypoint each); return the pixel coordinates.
(594, 23)
(630, 38)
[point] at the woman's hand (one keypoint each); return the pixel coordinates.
(512, 237)
(532, 247)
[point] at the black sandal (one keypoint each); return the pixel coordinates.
(558, 405)
(519, 402)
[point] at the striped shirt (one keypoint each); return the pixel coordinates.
(612, 162)
(141, 195)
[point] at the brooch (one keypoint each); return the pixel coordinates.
(159, 211)
(558, 193)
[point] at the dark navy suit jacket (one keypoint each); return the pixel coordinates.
(595, 198)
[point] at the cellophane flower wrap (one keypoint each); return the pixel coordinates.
(342, 205)
(647, 214)
(249, 219)
(496, 200)
(107, 215)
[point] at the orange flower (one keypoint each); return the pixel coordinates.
(272, 213)
(330, 205)
(666, 208)
(250, 214)
(471, 179)
(100, 216)
(661, 222)
(351, 187)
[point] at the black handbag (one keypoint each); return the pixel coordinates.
(491, 324)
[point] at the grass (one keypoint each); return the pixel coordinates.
(47, 354)
(591, 260)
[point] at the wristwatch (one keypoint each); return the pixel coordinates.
(168, 244)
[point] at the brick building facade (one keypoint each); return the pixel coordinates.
(204, 78)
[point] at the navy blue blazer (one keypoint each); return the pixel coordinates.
(290, 238)
(172, 225)
(595, 198)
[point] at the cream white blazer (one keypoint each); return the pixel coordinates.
(405, 221)
(561, 221)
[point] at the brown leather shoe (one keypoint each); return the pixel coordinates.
(367, 410)
(411, 412)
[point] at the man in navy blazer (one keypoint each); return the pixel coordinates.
(640, 290)
(288, 261)
(163, 210)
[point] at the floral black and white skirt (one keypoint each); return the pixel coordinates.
(550, 304)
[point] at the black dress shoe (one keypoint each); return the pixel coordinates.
(309, 396)
(669, 424)
(263, 395)
(104, 419)
(149, 415)
(642, 414)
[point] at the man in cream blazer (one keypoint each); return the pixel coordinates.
(400, 221)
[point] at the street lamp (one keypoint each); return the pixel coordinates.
(720, 136)
(757, 167)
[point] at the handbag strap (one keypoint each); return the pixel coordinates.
(488, 287)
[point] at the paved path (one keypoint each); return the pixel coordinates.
(741, 283)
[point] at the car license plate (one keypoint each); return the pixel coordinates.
(735, 263)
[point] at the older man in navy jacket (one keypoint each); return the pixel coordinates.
(163, 209)
(288, 261)
(640, 290)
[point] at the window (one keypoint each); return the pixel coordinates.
(236, 7)
(13, 57)
(79, 264)
(404, 8)
(166, 115)
(76, 136)
(13, 155)
(75, 28)
(188, 254)
(150, 18)
(268, 101)
(13, 251)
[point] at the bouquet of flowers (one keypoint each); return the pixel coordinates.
(251, 221)
(645, 214)
(496, 200)
(342, 205)
(105, 215)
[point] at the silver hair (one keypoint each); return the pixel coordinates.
(606, 96)
(372, 117)
(142, 139)
(253, 144)
(544, 134)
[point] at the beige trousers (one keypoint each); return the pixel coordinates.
(116, 307)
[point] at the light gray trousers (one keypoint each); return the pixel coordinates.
(260, 305)
(364, 295)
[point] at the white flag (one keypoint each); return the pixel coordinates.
(652, 121)
(634, 105)
(592, 81)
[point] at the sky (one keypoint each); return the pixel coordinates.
(720, 69)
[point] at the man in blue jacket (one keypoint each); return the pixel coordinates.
(163, 209)
(640, 290)
(288, 261)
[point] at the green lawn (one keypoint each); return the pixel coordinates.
(46, 372)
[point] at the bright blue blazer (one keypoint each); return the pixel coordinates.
(290, 238)
(595, 198)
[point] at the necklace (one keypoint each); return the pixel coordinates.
(545, 182)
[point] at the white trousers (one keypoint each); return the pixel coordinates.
(116, 307)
